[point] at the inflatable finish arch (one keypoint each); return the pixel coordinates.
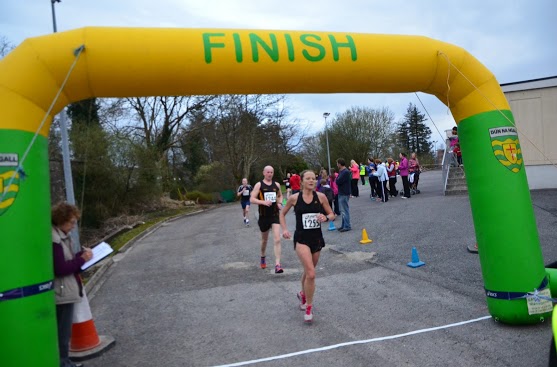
(122, 62)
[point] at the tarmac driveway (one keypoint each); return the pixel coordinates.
(192, 293)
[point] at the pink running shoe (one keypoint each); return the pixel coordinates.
(302, 297)
(308, 316)
(278, 269)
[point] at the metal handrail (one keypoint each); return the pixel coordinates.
(446, 165)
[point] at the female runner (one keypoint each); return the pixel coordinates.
(311, 208)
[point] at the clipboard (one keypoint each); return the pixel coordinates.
(100, 251)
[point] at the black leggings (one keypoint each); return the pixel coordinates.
(406, 186)
(373, 182)
(382, 192)
(392, 186)
(355, 190)
(337, 208)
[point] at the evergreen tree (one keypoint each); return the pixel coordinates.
(96, 191)
(403, 135)
(85, 111)
(413, 133)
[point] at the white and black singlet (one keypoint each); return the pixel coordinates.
(245, 194)
(308, 228)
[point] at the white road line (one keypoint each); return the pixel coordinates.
(282, 356)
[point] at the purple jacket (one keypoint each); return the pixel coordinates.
(66, 269)
(403, 167)
(63, 267)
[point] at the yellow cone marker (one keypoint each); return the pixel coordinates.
(365, 238)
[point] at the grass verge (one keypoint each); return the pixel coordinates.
(151, 220)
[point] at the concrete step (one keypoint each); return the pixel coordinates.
(456, 181)
(456, 192)
(456, 174)
(456, 187)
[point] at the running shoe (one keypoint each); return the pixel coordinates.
(247, 222)
(308, 316)
(278, 269)
(263, 263)
(302, 297)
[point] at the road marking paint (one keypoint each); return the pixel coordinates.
(334, 346)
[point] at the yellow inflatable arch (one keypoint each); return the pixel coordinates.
(122, 62)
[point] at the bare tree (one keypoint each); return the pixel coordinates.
(161, 118)
(159, 122)
(361, 132)
(245, 130)
(312, 151)
(5, 46)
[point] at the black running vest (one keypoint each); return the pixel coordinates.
(268, 192)
(308, 229)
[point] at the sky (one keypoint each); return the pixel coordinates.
(515, 39)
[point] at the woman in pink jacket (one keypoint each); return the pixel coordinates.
(355, 169)
(403, 168)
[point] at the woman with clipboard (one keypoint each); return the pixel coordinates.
(68, 287)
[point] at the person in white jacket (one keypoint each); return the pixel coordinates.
(381, 174)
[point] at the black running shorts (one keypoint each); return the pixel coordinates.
(314, 244)
(265, 223)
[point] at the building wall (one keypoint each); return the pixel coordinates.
(535, 113)
(541, 177)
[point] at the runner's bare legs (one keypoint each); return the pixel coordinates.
(264, 238)
(309, 262)
(276, 242)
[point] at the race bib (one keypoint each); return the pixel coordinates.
(246, 193)
(270, 196)
(309, 221)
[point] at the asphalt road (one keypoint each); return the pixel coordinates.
(192, 293)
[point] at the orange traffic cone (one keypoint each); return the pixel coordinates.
(365, 239)
(85, 342)
(84, 336)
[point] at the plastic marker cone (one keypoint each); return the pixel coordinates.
(415, 263)
(85, 342)
(365, 239)
(332, 226)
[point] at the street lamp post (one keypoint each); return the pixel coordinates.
(435, 150)
(54, 14)
(65, 142)
(325, 115)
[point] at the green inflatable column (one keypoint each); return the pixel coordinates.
(506, 233)
(28, 334)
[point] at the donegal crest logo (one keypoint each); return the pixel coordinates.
(506, 147)
(8, 187)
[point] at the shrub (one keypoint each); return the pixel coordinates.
(200, 197)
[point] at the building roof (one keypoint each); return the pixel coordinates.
(530, 84)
